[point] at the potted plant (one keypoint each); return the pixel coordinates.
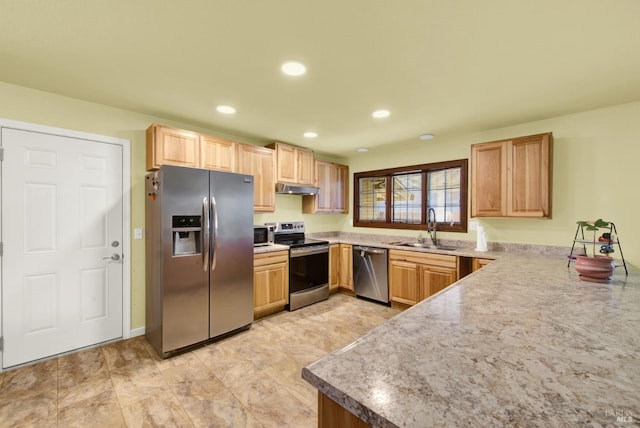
(595, 268)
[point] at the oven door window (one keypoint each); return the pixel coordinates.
(308, 271)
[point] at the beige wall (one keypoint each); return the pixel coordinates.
(595, 171)
(595, 174)
(27, 105)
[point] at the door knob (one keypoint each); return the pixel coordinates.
(114, 257)
(114, 244)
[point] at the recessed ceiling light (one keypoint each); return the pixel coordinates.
(381, 114)
(425, 137)
(293, 68)
(362, 150)
(226, 109)
(310, 134)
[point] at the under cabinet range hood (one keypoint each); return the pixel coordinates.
(296, 189)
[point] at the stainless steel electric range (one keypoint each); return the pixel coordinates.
(308, 264)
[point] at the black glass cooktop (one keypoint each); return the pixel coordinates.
(295, 240)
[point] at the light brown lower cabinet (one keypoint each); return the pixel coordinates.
(270, 282)
(414, 276)
(334, 267)
(480, 263)
(346, 266)
(332, 415)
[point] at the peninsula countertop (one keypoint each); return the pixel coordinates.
(520, 342)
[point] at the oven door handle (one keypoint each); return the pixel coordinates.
(306, 251)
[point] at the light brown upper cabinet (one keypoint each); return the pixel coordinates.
(512, 178)
(259, 162)
(169, 146)
(333, 196)
(217, 154)
(293, 164)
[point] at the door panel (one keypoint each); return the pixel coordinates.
(40, 214)
(39, 304)
(61, 209)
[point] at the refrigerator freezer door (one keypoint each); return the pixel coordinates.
(231, 296)
(185, 308)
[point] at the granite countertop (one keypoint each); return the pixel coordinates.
(270, 248)
(460, 250)
(520, 342)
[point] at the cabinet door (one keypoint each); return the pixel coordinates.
(259, 162)
(435, 279)
(217, 154)
(403, 282)
(480, 263)
(489, 180)
(168, 146)
(346, 266)
(305, 164)
(340, 188)
(528, 193)
(269, 289)
(286, 163)
(333, 196)
(324, 182)
(334, 267)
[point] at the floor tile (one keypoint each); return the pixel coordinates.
(82, 366)
(33, 410)
(131, 386)
(97, 390)
(251, 379)
(219, 408)
(102, 410)
(30, 380)
(131, 353)
(160, 410)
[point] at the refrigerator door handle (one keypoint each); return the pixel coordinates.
(214, 216)
(205, 234)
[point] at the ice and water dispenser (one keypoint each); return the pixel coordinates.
(186, 230)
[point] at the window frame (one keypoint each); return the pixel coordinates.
(389, 173)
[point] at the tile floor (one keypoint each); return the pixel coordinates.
(251, 379)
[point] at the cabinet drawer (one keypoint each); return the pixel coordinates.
(439, 260)
(264, 259)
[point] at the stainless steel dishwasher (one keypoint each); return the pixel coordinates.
(370, 273)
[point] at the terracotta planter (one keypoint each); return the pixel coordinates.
(594, 269)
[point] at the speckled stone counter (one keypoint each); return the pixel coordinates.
(270, 248)
(521, 342)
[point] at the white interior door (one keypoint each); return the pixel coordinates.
(62, 223)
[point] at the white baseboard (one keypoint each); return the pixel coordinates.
(137, 332)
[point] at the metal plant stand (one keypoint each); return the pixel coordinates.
(609, 243)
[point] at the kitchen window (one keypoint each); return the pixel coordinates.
(399, 198)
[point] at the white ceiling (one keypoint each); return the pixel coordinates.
(440, 66)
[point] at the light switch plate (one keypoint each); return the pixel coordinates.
(473, 225)
(137, 233)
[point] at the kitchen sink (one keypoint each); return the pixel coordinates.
(432, 247)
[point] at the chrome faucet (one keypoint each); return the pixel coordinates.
(431, 226)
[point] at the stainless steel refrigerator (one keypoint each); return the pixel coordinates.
(199, 256)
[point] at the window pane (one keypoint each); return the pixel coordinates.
(443, 194)
(407, 199)
(397, 197)
(372, 199)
